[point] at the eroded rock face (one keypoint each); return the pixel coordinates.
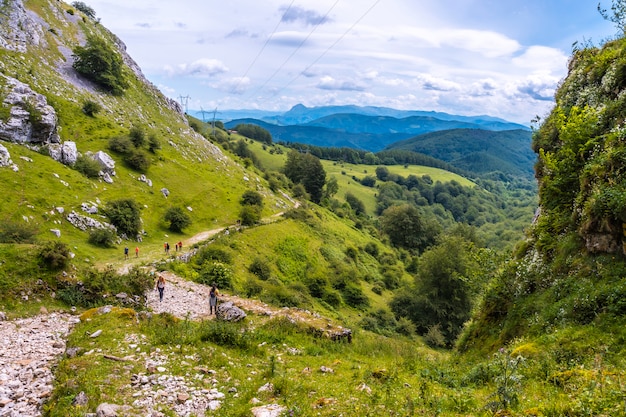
(106, 162)
(19, 27)
(65, 153)
(31, 119)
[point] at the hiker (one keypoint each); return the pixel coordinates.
(176, 247)
(180, 245)
(136, 251)
(160, 285)
(167, 248)
(126, 252)
(213, 293)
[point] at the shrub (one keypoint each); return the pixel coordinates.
(16, 232)
(251, 198)
(354, 297)
(102, 237)
(154, 144)
(121, 145)
(405, 327)
(213, 253)
(89, 167)
(250, 215)
(215, 272)
(125, 215)
(434, 337)
(91, 108)
(101, 64)
(138, 160)
(137, 136)
(54, 255)
(261, 269)
(177, 219)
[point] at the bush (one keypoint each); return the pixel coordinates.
(250, 215)
(16, 232)
(215, 273)
(137, 136)
(54, 255)
(177, 219)
(354, 297)
(261, 269)
(102, 237)
(91, 108)
(101, 64)
(125, 215)
(89, 167)
(154, 144)
(225, 334)
(138, 160)
(121, 145)
(213, 253)
(251, 198)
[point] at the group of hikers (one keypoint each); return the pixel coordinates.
(166, 247)
(213, 293)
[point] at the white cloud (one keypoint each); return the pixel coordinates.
(330, 83)
(542, 58)
(204, 67)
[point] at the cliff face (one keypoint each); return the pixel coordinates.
(582, 154)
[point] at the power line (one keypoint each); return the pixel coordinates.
(297, 49)
(329, 48)
(264, 45)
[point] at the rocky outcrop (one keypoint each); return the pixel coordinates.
(85, 223)
(31, 119)
(65, 153)
(20, 28)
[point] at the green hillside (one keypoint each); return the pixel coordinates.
(477, 150)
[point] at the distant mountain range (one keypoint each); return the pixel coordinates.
(474, 143)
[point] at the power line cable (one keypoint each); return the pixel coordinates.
(264, 45)
(322, 20)
(329, 48)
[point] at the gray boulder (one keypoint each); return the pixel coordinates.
(106, 162)
(229, 312)
(65, 153)
(31, 119)
(5, 157)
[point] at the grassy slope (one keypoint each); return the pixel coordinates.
(344, 172)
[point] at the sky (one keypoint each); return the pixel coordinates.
(502, 58)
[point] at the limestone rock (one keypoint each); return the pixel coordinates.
(272, 410)
(20, 28)
(107, 163)
(83, 222)
(5, 157)
(229, 312)
(65, 153)
(107, 410)
(165, 192)
(31, 119)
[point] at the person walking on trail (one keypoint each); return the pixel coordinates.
(137, 252)
(160, 285)
(213, 293)
(126, 252)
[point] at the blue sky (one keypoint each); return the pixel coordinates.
(503, 58)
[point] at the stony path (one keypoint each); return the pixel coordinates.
(28, 349)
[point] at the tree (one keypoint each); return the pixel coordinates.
(125, 215)
(356, 204)
(617, 15)
(98, 62)
(307, 170)
(177, 218)
(406, 228)
(251, 198)
(89, 12)
(442, 294)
